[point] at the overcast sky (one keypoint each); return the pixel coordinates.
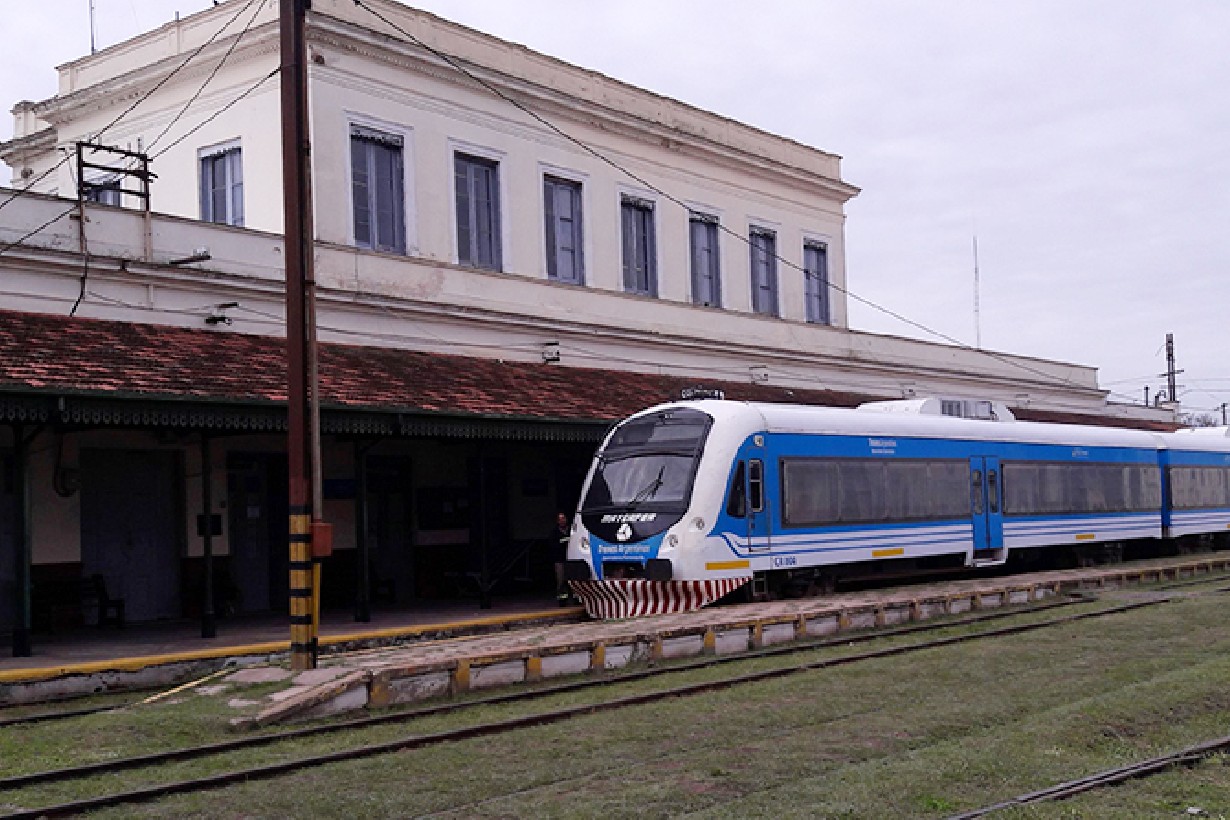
(1086, 143)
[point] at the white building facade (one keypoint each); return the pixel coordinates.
(591, 227)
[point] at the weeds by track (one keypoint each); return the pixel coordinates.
(537, 719)
(45, 717)
(1111, 777)
(537, 693)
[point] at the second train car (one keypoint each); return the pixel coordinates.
(688, 502)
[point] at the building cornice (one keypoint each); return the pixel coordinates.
(848, 362)
(679, 127)
(17, 150)
(259, 42)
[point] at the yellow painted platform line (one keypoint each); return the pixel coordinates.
(407, 631)
(139, 662)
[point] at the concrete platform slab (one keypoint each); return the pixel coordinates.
(433, 659)
(259, 674)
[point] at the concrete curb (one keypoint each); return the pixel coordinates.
(390, 680)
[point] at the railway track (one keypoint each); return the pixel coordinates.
(536, 719)
(45, 717)
(1111, 777)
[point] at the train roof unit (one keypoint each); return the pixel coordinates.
(915, 419)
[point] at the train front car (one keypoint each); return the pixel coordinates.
(642, 527)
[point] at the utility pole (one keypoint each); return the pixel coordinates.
(1172, 389)
(310, 539)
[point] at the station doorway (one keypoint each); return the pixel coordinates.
(8, 540)
(256, 577)
(131, 503)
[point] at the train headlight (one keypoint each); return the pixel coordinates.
(698, 524)
(584, 543)
(672, 541)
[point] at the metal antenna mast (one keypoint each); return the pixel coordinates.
(92, 48)
(1171, 387)
(977, 300)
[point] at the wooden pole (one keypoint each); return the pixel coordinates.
(300, 293)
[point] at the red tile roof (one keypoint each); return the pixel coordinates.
(57, 354)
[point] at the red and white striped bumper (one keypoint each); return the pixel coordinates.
(634, 597)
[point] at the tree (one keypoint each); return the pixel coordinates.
(1199, 420)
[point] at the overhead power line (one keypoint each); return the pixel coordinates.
(21, 241)
(272, 73)
(234, 44)
(460, 67)
(134, 104)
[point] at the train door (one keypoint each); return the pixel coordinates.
(759, 531)
(986, 506)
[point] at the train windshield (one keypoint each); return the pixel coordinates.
(649, 463)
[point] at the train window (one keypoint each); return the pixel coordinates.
(993, 490)
(839, 491)
(861, 491)
(636, 480)
(755, 484)
(736, 502)
(976, 494)
(1199, 487)
(681, 428)
(1034, 488)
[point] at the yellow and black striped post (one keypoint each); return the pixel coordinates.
(302, 591)
(302, 428)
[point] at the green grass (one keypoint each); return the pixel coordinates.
(925, 734)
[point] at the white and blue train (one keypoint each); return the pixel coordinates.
(689, 501)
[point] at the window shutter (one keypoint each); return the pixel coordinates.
(706, 277)
(816, 290)
(763, 268)
(548, 200)
(235, 166)
(476, 183)
(562, 203)
(360, 181)
(206, 196)
(487, 217)
(465, 248)
(628, 213)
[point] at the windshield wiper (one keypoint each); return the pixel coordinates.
(649, 490)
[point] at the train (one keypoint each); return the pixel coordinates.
(692, 501)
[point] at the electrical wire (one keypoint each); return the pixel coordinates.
(272, 73)
(458, 66)
(85, 246)
(276, 320)
(230, 50)
(135, 103)
(21, 242)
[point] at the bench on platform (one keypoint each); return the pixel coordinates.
(66, 602)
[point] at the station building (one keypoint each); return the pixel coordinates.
(511, 253)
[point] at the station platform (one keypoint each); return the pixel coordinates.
(353, 681)
(91, 659)
(449, 647)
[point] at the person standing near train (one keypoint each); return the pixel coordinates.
(559, 553)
